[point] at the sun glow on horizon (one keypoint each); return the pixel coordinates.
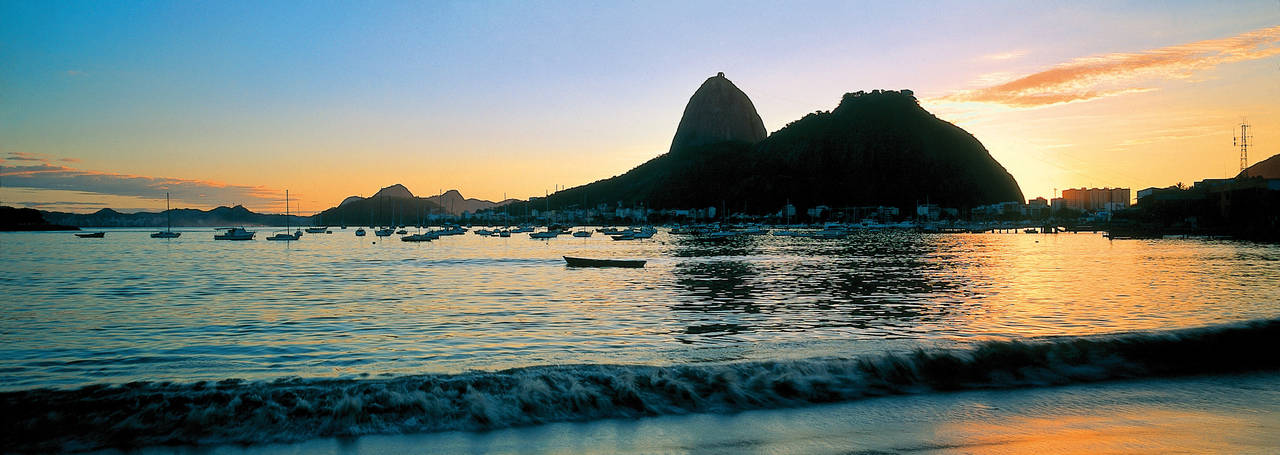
(516, 101)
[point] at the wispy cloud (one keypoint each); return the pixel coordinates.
(23, 156)
(1010, 55)
(1115, 74)
(39, 172)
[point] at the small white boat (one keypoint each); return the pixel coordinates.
(237, 233)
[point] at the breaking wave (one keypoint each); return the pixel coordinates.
(236, 411)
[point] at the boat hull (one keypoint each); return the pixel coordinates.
(588, 262)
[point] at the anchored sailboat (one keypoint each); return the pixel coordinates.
(286, 235)
(168, 232)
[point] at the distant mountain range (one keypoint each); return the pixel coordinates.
(217, 217)
(876, 148)
(395, 204)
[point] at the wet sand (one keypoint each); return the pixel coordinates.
(1212, 414)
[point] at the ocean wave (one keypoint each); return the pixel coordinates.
(237, 411)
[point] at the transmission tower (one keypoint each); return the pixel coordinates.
(1242, 141)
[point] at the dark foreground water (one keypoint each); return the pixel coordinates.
(336, 335)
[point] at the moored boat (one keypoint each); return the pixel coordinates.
(286, 236)
(237, 233)
(91, 235)
(588, 262)
(423, 237)
(168, 232)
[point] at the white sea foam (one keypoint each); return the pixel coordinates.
(139, 414)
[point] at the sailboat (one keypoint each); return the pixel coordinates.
(168, 232)
(286, 235)
(320, 229)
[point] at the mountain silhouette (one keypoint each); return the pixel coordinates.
(1267, 169)
(395, 204)
(717, 112)
(874, 148)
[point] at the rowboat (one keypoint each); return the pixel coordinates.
(586, 262)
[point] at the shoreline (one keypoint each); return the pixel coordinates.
(1199, 414)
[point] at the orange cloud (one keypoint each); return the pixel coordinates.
(1093, 77)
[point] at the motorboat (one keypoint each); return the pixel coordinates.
(385, 232)
(402, 232)
(360, 232)
(582, 234)
(236, 233)
(91, 235)
(588, 262)
(317, 230)
(624, 236)
(544, 235)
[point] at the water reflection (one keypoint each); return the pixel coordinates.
(336, 305)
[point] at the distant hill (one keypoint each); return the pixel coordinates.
(877, 148)
(217, 217)
(395, 204)
(16, 219)
(1267, 169)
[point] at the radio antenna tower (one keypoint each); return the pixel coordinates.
(1242, 141)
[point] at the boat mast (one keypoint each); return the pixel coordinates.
(167, 212)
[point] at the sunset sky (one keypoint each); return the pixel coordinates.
(111, 104)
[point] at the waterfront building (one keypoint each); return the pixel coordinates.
(1096, 199)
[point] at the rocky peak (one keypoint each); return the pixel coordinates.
(394, 191)
(718, 111)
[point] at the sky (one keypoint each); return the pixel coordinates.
(112, 104)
